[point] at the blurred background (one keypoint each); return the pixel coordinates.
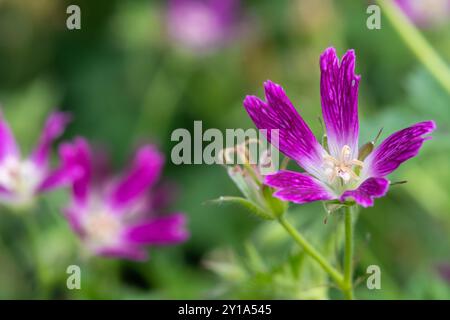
(139, 69)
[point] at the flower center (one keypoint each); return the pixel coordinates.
(102, 228)
(20, 177)
(343, 167)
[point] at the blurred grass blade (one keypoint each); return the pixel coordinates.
(250, 206)
(417, 43)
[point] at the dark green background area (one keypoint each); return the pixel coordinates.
(127, 83)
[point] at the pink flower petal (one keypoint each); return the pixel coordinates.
(339, 92)
(294, 136)
(396, 149)
(365, 194)
(298, 187)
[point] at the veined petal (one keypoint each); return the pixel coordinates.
(5, 193)
(73, 216)
(295, 138)
(144, 172)
(339, 94)
(58, 178)
(397, 148)
(76, 158)
(54, 127)
(8, 146)
(365, 194)
(298, 187)
(159, 231)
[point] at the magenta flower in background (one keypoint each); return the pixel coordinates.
(335, 171)
(21, 179)
(117, 216)
(444, 271)
(425, 13)
(201, 25)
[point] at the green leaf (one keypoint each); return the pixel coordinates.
(254, 259)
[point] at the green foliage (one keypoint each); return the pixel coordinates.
(126, 83)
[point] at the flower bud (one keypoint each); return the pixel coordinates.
(258, 198)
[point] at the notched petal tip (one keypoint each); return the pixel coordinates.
(328, 53)
(69, 150)
(349, 55)
(274, 94)
(339, 98)
(348, 63)
(429, 126)
(367, 192)
(274, 91)
(251, 101)
(328, 58)
(269, 84)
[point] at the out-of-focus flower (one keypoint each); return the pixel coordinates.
(21, 179)
(444, 271)
(117, 217)
(201, 25)
(337, 170)
(425, 13)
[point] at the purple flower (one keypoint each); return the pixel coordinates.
(117, 217)
(201, 25)
(425, 13)
(444, 271)
(333, 171)
(21, 179)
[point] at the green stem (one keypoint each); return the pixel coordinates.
(30, 224)
(313, 253)
(348, 257)
(417, 43)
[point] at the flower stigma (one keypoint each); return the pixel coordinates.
(343, 167)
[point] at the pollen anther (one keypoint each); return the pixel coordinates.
(342, 167)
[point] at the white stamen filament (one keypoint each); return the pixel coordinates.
(342, 167)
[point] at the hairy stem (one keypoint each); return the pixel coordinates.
(313, 253)
(348, 255)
